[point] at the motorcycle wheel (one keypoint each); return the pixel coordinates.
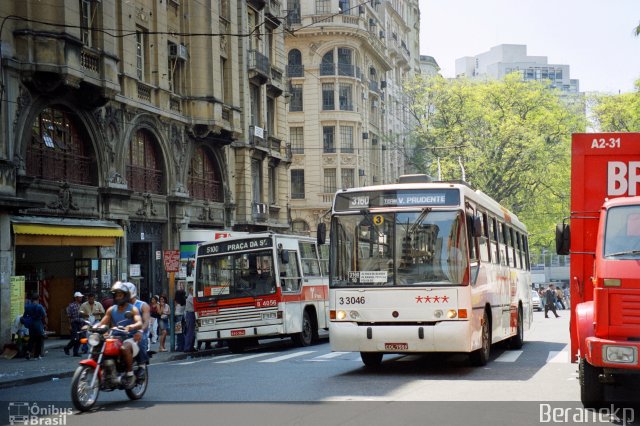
(82, 394)
(142, 381)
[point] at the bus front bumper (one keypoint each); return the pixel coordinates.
(444, 336)
(616, 354)
(239, 333)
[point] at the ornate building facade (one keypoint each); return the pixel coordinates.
(123, 123)
(348, 118)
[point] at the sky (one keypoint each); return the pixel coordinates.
(594, 37)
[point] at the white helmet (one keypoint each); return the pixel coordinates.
(133, 291)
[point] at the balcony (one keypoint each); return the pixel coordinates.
(259, 67)
(257, 4)
(259, 212)
(327, 69)
(295, 70)
(273, 11)
(373, 86)
(346, 70)
(275, 85)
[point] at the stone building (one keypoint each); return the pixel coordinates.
(348, 118)
(123, 123)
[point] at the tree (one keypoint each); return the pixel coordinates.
(617, 113)
(511, 138)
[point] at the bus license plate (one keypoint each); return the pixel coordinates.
(237, 332)
(396, 346)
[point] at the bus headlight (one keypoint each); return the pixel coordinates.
(451, 313)
(207, 321)
(354, 314)
(269, 315)
(619, 354)
(438, 313)
(341, 315)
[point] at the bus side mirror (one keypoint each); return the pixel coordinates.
(284, 256)
(563, 239)
(321, 233)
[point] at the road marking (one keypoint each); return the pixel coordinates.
(331, 355)
(244, 358)
(558, 357)
(510, 356)
(288, 356)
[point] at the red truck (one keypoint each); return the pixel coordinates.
(604, 244)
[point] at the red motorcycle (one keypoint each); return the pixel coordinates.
(104, 370)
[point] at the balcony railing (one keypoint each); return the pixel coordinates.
(293, 17)
(373, 86)
(90, 61)
(144, 92)
(327, 69)
(346, 70)
(295, 70)
(259, 62)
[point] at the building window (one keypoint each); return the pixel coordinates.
(330, 180)
(296, 136)
(345, 62)
(323, 7)
(88, 11)
(176, 73)
(271, 116)
(254, 94)
(225, 75)
(256, 180)
(297, 184)
(344, 7)
(296, 98)
(347, 176)
(141, 54)
(204, 177)
(346, 139)
(328, 95)
(223, 7)
(59, 151)
(293, 7)
(346, 97)
(143, 168)
(294, 66)
(273, 185)
(327, 66)
(328, 139)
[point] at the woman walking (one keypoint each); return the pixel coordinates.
(163, 324)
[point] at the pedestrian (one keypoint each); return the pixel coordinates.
(180, 300)
(190, 323)
(92, 310)
(567, 300)
(550, 301)
(560, 297)
(163, 324)
(155, 317)
(33, 318)
(75, 324)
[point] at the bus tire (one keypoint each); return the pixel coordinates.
(481, 356)
(305, 337)
(371, 359)
(517, 341)
(236, 346)
(591, 389)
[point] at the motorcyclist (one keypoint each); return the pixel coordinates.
(145, 311)
(117, 316)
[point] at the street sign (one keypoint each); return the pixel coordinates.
(171, 259)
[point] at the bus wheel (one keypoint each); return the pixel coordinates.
(591, 389)
(236, 346)
(305, 337)
(371, 359)
(481, 356)
(517, 341)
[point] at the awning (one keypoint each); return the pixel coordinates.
(64, 232)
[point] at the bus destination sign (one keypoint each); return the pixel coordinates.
(236, 245)
(401, 198)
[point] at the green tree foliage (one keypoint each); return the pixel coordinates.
(511, 137)
(617, 113)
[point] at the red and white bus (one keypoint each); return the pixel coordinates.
(426, 267)
(261, 286)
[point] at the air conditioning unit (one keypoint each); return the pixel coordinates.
(365, 135)
(383, 84)
(381, 34)
(178, 51)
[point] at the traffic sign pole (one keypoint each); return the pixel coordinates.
(171, 260)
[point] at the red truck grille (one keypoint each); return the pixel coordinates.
(624, 311)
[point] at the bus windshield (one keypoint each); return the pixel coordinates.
(232, 275)
(399, 249)
(622, 232)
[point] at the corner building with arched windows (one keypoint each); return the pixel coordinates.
(123, 123)
(348, 118)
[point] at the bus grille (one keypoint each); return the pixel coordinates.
(238, 316)
(628, 313)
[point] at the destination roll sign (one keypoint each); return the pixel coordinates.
(349, 201)
(236, 245)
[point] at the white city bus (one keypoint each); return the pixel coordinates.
(261, 285)
(426, 267)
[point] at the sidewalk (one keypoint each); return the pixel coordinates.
(55, 364)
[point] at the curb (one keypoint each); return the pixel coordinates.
(63, 375)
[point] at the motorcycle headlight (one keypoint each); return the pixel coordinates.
(94, 339)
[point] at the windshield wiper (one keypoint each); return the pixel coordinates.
(622, 253)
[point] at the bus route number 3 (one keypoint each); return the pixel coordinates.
(351, 300)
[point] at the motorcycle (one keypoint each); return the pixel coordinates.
(104, 370)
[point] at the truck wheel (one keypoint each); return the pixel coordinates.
(591, 389)
(517, 341)
(371, 359)
(481, 356)
(305, 337)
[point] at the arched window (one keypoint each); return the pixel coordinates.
(327, 66)
(299, 226)
(294, 66)
(144, 171)
(204, 178)
(60, 150)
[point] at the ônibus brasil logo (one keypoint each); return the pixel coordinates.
(26, 413)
